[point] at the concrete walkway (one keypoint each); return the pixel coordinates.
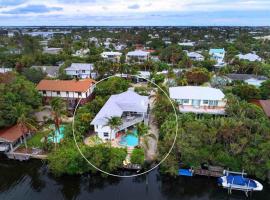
(151, 153)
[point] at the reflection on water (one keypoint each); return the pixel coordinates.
(31, 180)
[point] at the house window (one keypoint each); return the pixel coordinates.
(185, 100)
(106, 134)
(67, 94)
(83, 71)
(79, 94)
(205, 101)
(44, 92)
(58, 93)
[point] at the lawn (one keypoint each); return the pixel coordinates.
(35, 141)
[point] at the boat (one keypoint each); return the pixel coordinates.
(237, 181)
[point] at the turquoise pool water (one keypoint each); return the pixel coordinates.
(130, 140)
(58, 136)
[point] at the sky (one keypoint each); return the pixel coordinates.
(135, 12)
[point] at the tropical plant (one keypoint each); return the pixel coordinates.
(58, 107)
(23, 121)
(113, 123)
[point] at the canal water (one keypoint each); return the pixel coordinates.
(31, 180)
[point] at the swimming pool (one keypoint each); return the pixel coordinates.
(58, 136)
(130, 140)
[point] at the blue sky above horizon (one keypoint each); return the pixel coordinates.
(135, 12)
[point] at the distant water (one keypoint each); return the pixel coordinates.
(31, 180)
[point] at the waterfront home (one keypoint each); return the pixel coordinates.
(138, 56)
(5, 70)
(252, 57)
(195, 56)
(12, 137)
(250, 79)
(198, 99)
(69, 90)
(130, 106)
(81, 70)
(111, 56)
(51, 71)
(218, 55)
(264, 105)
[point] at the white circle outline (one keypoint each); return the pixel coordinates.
(134, 175)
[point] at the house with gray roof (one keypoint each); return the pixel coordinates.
(195, 56)
(51, 71)
(81, 70)
(250, 79)
(131, 107)
(138, 56)
(252, 57)
(198, 99)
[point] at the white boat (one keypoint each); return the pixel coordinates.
(237, 181)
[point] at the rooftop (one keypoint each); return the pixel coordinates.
(80, 66)
(65, 85)
(196, 92)
(128, 101)
(11, 134)
(138, 53)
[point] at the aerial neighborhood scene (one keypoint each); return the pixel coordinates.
(93, 105)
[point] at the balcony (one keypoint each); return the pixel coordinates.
(215, 110)
(128, 121)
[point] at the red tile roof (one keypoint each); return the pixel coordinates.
(11, 134)
(65, 85)
(264, 104)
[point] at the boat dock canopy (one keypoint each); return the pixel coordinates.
(185, 172)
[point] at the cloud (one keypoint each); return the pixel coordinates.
(134, 6)
(33, 9)
(139, 12)
(4, 3)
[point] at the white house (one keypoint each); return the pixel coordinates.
(111, 56)
(218, 55)
(130, 106)
(198, 99)
(5, 70)
(186, 44)
(195, 56)
(137, 56)
(81, 70)
(69, 90)
(52, 50)
(81, 53)
(252, 57)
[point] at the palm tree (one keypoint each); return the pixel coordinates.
(143, 132)
(23, 121)
(58, 107)
(113, 123)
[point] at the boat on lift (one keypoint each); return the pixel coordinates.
(238, 181)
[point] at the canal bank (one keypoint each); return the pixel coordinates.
(31, 180)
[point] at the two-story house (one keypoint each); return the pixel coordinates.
(69, 90)
(218, 55)
(111, 56)
(137, 56)
(81, 70)
(198, 99)
(131, 107)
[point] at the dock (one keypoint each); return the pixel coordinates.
(210, 173)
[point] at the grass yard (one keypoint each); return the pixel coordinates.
(35, 141)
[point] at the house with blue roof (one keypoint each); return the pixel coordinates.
(218, 55)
